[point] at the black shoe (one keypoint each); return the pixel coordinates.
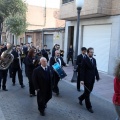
(31, 95)
(57, 93)
(78, 90)
(22, 86)
(34, 94)
(90, 110)
(80, 102)
(5, 89)
(13, 84)
(10, 76)
(42, 113)
(46, 106)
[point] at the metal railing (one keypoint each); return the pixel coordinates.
(66, 1)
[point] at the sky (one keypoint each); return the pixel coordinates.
(49, 3)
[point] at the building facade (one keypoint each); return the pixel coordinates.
(44, 23)
(99, 28)
(42, 16)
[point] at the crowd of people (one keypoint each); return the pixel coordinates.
(44, 79)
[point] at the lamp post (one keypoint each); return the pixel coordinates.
(79, 4)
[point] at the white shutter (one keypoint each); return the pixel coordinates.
(98, 37)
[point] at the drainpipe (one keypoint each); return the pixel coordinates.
(42, 38)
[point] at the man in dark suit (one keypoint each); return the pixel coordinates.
(43, 84)
(16, 66)
(78, 63)
(44, 52)
(70, 54)
(56, 78)
(88, 74)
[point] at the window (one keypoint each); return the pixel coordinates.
(66, 1)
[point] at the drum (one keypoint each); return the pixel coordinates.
(59, 70)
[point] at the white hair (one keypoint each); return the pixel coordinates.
(42, 58)
(57, 51)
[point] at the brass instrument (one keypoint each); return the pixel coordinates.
(61, 53)
(6, 58)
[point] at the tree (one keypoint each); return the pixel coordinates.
(10, 8)
(16, 24)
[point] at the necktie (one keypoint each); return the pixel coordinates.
(91, 61)
(45, 69)
(57, 59)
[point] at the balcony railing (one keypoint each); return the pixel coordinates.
(66, 1)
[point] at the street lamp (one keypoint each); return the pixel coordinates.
(79, 5)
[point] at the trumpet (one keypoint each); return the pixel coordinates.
(6, 58)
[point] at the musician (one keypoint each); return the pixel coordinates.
(16, 66)
(54, 49)
(56, 78)
(25, 52)
(25, 49)
(3, 73)
(70, 54)
(29, 60)
(62, 53)
(43, 84)
(88, 74)
(78, 63)
(22, 53)
(44, 52)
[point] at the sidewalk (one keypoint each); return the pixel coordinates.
(102, 89)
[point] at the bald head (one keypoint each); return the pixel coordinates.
(43, 61)
(8, 45)
(57, 53)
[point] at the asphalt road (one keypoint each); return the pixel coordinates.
(17, 105)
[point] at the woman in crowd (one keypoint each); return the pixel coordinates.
(29, 61)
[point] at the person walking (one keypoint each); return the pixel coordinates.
(43, 84)
(79, 63)
(56, 78)
(70, 54)
(88, 74)
(116, 96)
(16, 67)
(29, 60)
(44, 52)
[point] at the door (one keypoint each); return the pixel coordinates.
(29, 39)
(48, 40)
(98, 37)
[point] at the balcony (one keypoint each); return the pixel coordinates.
(92, 8)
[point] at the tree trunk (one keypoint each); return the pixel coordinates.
(1, 28)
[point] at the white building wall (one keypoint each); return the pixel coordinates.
(115, 37)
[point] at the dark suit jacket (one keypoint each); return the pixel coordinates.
(53, 61)
(79, 60)
(42, 81)
(15, 63)
(89, 71)
(53, 52)
(29, 65)
(70, 52)
(45, 54)
(25, 50)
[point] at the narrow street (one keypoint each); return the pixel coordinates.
(17, 105)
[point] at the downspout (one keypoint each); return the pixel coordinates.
(44, 14)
